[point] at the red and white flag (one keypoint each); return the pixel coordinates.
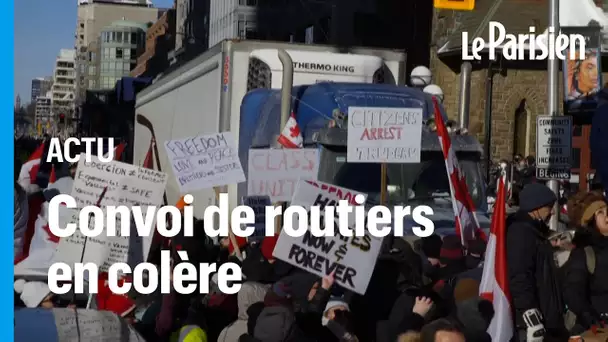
(494, 285)
(291, 136)
(466, 224)
(117, 151)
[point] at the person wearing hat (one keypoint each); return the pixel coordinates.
(586, 271)
(533, 278)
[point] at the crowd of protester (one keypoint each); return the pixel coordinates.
(424, 291)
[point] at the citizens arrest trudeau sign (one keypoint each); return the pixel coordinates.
(553, 147)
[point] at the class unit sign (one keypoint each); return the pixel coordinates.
(553, 147)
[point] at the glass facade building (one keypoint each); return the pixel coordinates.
(119, 46)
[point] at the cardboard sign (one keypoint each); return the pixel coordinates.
(553, 147)
(258, 204)
(351, 258)
(342, 193)
(128, 185)
(92, 325)
(275, 172)
(384, 135)
(205, 161)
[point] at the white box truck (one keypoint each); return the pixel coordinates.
(204, 95)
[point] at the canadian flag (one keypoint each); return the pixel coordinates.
(494, 285)
(29, 169)
(462, 203)
(291, 136)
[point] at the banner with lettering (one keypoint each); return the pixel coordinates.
(384, 135)
(275, 172)
(126, 185)
(258, 204)
(351, 258)
(205, 161)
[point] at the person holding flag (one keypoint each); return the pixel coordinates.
(536, 297)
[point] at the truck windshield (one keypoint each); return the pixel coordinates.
(408, 184)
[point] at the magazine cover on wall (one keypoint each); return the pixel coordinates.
(583, 77)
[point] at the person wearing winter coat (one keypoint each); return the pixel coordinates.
(586, 271)
(249, 294)
(533, 278)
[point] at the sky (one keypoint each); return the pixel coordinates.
(42, 28)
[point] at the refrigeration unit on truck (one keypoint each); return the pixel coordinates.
(204, 95)
(423, 183)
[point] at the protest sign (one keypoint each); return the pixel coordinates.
(258, 204)
(342, 193)
(275, 172)
(128, 185)
(205, 161)
(351, 258)
(384, 135)
(92, 325)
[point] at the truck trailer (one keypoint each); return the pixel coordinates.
(204, 95)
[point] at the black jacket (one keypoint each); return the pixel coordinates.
(533, 277)
(586, 294)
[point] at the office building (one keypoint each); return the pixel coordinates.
(120, 45)
(40, 86)
(63, 91)
(230, 19)
(93, 17)
(160, 39)
(43, 108)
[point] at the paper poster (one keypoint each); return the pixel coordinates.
(205, 161)
(129, 186)
(92, 325)
(258, 204)
(275, 172)
(351, 258)
(384, 135)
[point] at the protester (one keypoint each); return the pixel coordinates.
(441, 330)
(536, 294)
(586, 271)
(21, 215)
(249, 294)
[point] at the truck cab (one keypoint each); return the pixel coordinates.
(315, 107)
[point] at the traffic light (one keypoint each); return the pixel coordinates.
(61, 118)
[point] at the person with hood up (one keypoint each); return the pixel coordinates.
(533, 277)
(249, 294)
(586, 271)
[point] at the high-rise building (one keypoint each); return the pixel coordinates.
(160, 39)
(63, 91)
(230, 19)
(43, 108)
(93, 17)
(40, 85)
(121, 43)
(18, 102)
